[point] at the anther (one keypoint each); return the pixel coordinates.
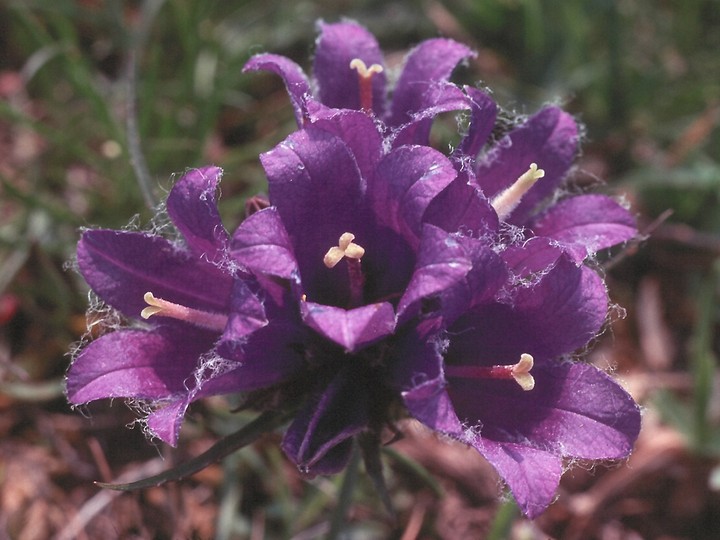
(505, 202)
(365, 76)
(519, 372)
(352, 253)
(345, 248)
(197, 317)
(362, 69)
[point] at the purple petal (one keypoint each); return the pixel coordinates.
(405, 182)
(261, 244)
(532, 475)
(246, 313)
(479, 286)
(316, 186)
(122, 266)
(215, 376)
(137, 364)
(268, 356)
(356, 128)
(295, 81)
(535, 256)
(555, 315)
(471, 212)
(352, 329)
(483, 112)
(333, 461)
(586, 224)
(550, 139)
(442, 262)
(432, 61)
(192, 206)
(574, 410)
(577, 301)
(437, 98)
(416, 369)
(337, 45)
(329, 420)
(165, 422)
(430, 404)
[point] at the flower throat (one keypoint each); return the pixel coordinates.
(352, 253)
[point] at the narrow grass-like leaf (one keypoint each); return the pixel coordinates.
(704, 361)
(337, 522)
(416, 469)
(264, 423)
(504, 519)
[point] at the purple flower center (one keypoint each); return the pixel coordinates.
(352, 253)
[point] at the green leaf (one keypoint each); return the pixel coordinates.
(264, 423)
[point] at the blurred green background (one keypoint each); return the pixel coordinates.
(83, 81)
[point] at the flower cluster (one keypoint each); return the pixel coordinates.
(381, 279)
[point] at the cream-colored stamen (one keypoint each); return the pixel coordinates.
(521, 372)
(507, 201)
(363, 70)
(345, 248)
(365, 79)
(197, 317)
(155, 305)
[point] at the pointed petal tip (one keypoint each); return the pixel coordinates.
(192, 207)
(164, 423)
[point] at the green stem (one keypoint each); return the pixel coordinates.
(504, 519)
(137, 157)
(337, 522)
(703, 361)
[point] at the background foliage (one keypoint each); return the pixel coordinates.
(82, 82)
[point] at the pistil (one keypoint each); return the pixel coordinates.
(519, 372)
(365, 76)
(197, 317)
(352, 253)
(505, 202)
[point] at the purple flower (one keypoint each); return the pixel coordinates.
(349, 73)
(381, 278)
(451, 323)
(345, 263)
(520, 318)
(522, 174)
(501, 377)
(190, 297)
(490, 365)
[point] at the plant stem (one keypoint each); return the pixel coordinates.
(337, 522)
